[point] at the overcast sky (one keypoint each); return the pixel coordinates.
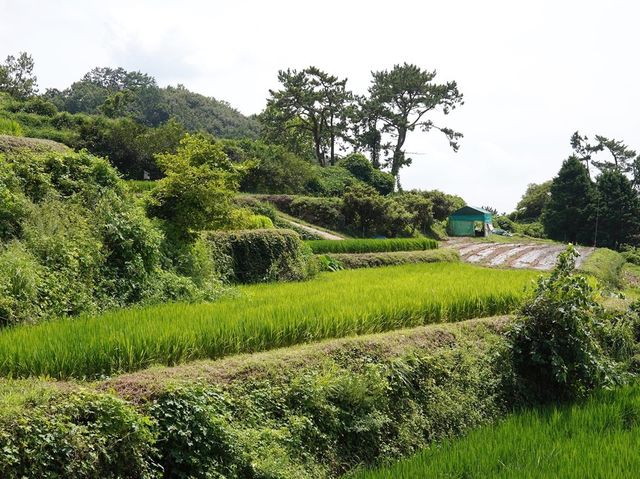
(531, 72)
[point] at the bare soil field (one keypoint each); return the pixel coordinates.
(540, 256)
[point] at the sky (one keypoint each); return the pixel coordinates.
(532, 72)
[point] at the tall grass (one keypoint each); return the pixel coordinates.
(371, 245)
(263, 317)
(598, 438)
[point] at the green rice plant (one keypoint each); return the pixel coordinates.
(371, 245)
(264, 316)
(598, 438)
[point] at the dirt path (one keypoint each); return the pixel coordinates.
(312, 230)
(540, 256)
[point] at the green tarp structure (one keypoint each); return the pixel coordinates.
(463, 222)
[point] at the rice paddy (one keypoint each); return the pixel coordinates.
(371, 245)
(595, 439)
(262, 317)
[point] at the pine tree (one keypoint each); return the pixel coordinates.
(569, 215)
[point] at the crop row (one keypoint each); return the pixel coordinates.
(262, 317)
(371, 245)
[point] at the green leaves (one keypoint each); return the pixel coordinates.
(554, 341)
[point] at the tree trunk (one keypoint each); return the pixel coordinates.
(398, 154)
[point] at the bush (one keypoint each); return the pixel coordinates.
(10, 127)
(197, 192)
(79, 435)
(362, 169)
(324, 212)
(263, 255)
(554, 342)
(36, 105)
(631, 255)
(534, 230)
(364, 210)
(331, 181)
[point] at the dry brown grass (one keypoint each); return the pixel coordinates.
(12, 143)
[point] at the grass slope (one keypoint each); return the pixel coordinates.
(264, 317)
(597, 439)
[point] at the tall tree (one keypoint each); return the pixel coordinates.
(621, 155)
(405, 95)
(618, 210)
(366, 117)
(584, 150)
(17, 78)
(533, 201)
(568, 215)
(314, 102)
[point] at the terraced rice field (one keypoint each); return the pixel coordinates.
(263, 317)
(540, 256)
(596, 439)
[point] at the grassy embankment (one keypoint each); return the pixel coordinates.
(597, 438)
(263, 317)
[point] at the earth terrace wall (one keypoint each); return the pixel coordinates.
(314, 411)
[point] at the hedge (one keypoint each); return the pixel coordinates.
(260, 255)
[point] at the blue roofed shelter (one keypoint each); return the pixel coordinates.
(470, 221)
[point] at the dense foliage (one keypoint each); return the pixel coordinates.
(72, 241)
(556, 343)
(262, 255)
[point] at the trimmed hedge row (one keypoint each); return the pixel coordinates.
(316, 411)
(261, 255)
(372, 260)
(371, 245)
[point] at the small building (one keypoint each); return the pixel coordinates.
(470, 221)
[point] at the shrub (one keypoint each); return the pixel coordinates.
(264, 255)
(362, 169)
(331, 181)
(22, 279)
(79, 435)
(535, 230)
(196, 194)
(364, 210)
(245, 219)
(10, 127)
(631, 254)
(324, 212)
(554, 341)
(36, 105)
